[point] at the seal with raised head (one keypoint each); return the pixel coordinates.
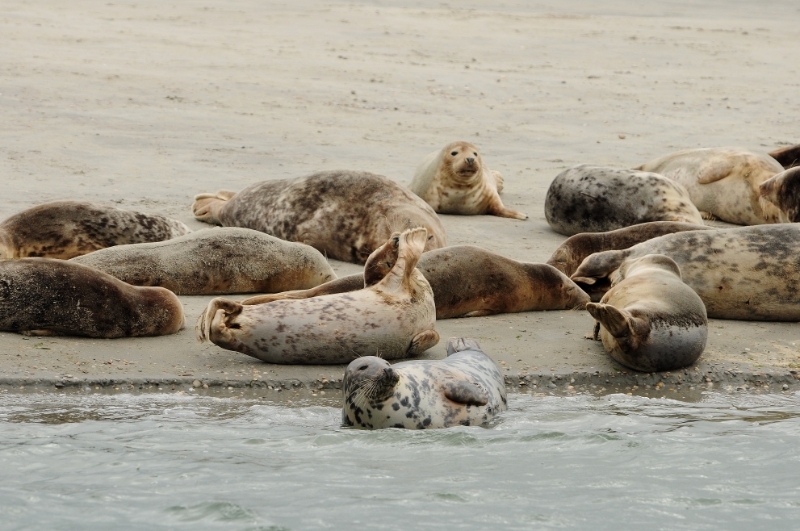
(783, 191)
(454, 180)
(723, 182)
(44, 296)
(576, 248)
(468, 281)
(747, 273)
(218, 260)
(393, 318)
(344, 214)
(597, 199)
(464, 389)
(650, 320)
(64, 229)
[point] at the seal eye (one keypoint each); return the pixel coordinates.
(454, 153)
(474, 154)
(363, 368)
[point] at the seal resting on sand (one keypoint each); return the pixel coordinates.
(650, 320)
(344, 214)
(64, 229)
(464, 389)
(393, 318)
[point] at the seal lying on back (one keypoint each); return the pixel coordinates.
(576, 248)
(344, 214)
(454, 180)
(468, 282)
(723, 182)
(393, 318)
(63, 229)
(747, 273)
(464, 389)
(220, 260)
(42, 296)
(597, 199)
(650, 320)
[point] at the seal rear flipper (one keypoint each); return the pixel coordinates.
(466, 393)
(422, 342)
(206, 207)
(460, 344)
(227, 310)
(788, 157)
(617, 322)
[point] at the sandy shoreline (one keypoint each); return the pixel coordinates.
(143, 106)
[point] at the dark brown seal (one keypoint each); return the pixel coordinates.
(42, 296)
(468, 281)
(788, 157)
(63, 229)
(783, 191)
(344, 214)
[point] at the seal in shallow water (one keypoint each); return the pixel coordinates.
(464, 389)
(468, 281)
(597, 199)
(42, 296)
(454, 180)
(64, 229)
(219, 260)
(650, 320)
(344, 214)
(393, 318)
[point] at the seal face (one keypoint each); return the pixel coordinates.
(598, 199)
(219, 260)
(454, 180)
(344, 214)
(42, 296)
(464, 389)
(650, 320)
(783, 192)
(64, 229)
(393, 317)
(468, 281)
(747, 273)
(723, 182)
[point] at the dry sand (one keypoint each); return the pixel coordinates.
(143, 105)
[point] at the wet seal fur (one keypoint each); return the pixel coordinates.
(650, 320)
(597, 199)
(723, 183)
(747, 273)
(64, 229)
(468, 281)
(454, 180)
(218, 260)
(344, 214)
(43, 296)
(464, 389)
(393, 318)
(576, 248)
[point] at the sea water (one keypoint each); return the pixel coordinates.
(99, 462)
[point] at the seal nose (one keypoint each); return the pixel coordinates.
(470, 160)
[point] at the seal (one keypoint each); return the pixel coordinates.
(576, 248)
(464, 389)
(650, 320)
(344, 214)
(788, 157)
(218, 260)
(598, 199)
(746, 273)
(454, 180)
(723, 182)
(468, 281)
(64, 229)
(44, 296)
(393, 318)
(783, 191)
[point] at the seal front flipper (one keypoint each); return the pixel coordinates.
(466, 393)
(714, 171)
(422, 342)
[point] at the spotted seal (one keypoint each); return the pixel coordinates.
(747, 273)
(64, 229)
(650, 320)
(344, 214)
(44, 296)
(393, 318)
(464, 389)
(454, 180)
(723, 182)
(597, 199)
(218, 260)
(468, 281)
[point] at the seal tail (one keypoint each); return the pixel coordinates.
(206, 207)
